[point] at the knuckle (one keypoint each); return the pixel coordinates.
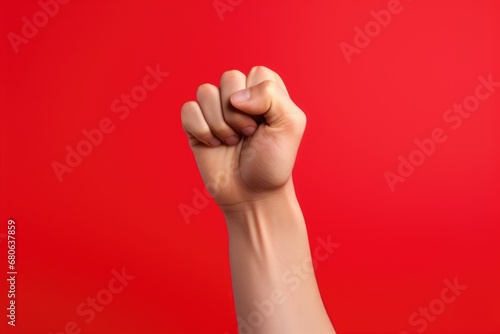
(206, 90)
(269, 87)
(230, 75)
(259, 70)
(187, 108)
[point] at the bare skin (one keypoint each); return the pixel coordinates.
(245, 136)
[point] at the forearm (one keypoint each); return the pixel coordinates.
(274, 285)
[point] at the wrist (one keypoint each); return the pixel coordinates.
(263, 205)
(272, 217)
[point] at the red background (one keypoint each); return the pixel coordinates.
(120, 207)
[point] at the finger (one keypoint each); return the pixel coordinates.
(230, 82)
(196, 127)
(271, 101)
(259, 74)
(210, 103)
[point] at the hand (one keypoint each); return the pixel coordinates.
(244, 135)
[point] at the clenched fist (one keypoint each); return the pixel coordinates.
(244, 135)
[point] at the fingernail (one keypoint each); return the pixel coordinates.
(241, 96)
(232, 140)
(248, 131)
(214, 142)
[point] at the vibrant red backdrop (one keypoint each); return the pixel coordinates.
(119, 207)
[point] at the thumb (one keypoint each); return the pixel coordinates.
(273, 103)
